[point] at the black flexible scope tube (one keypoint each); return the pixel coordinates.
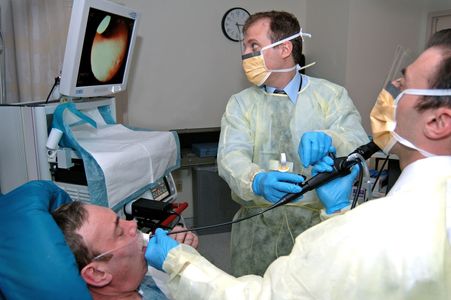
(342, 166)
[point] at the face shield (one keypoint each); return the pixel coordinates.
(383, 117)
(402, 58)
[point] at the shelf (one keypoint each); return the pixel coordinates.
(190, 136)
(190, 159)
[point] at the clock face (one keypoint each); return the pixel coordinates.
(233, 22)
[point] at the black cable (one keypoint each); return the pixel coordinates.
(57, 81)
(229, 222)
(276, 204)
(179, 217)
(359, 186)
(380, 172)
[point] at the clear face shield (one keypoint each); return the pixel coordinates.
(383, 114)
(383, 117)
(401, 59)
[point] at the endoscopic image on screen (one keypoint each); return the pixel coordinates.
(105, 49)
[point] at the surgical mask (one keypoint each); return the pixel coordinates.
(137, 241)
(383, 117)
(254, 65)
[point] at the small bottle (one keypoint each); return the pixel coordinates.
(281, 165)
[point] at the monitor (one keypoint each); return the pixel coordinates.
(99, 49)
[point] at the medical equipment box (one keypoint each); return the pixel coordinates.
(205, 149)
(208, 209)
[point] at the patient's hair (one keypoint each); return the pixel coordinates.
(70, 217)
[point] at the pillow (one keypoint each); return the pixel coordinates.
(35, 261)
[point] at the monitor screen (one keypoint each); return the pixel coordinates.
(99, 48)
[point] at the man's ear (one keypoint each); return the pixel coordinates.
(438, 124)
(94, 275)
(287, 49)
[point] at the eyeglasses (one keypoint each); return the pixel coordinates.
(137, 239)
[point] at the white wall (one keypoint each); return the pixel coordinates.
(355, 41)
(370, 51)
(327, 21)
(185, 70)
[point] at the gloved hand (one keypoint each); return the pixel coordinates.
(187, 238)
(325, 164)
(274, 185)
(314, 146)
(158, 248)
(335, 194)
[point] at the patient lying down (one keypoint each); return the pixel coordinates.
(110, 251)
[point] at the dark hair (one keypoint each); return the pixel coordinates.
(442, 77)
(70, 217)
(441, 37)
(282, 25)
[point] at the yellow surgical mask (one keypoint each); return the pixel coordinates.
(383, 117)
(254, 65)
(255, 69)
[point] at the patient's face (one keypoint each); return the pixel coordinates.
(105, 231)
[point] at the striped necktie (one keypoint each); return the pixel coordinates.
(276, 91)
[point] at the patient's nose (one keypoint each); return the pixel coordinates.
(132, 228)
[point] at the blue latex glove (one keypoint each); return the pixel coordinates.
(325, 164)
(335, 194)
(274, 185)
(313, 147)
(158, 248)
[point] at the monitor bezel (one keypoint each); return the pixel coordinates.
(74, 47)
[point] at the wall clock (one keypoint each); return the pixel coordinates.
(233, 21)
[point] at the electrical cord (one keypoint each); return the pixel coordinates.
(354, 202)
(282, 200)
(359, 186)
(55, 83)
(256, 214)
(179, 217)
(182, 221)
(356, 157)
(229, 222)
(380, 172)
